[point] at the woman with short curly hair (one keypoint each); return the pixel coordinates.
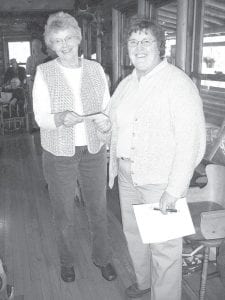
(70, 104)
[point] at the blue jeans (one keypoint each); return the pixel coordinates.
(61, 174)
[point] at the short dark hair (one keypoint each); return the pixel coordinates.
(143, 24)
(12, 60)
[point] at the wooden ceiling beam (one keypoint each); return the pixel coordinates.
(214, 12)
(169, 30)
(162, 12)
(169, 9)
(215, 29)
(210, 18)
(159, 3)
(214, 20)
(168, 25)
(207, 24)
(120, 5)
(167, 20)
(216, 4)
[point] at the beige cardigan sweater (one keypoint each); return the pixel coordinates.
(168, 138)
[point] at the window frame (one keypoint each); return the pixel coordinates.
(12, 38)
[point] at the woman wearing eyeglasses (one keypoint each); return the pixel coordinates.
(157, 139)
(66, 90)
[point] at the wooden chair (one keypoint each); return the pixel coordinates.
(199, 176)
(208, 214)
(214, 190)
(217, 142)
(11, 122)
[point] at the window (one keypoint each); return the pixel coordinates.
(213, 61)
(170, 50)
(20, 50)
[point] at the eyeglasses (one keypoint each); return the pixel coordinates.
(68, 40)
(144, 43)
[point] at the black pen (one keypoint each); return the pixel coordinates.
(168, 209)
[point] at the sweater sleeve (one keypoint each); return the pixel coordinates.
(189, 132)
(106, 97)
(41, 103)
(104, 136)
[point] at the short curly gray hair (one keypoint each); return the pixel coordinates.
(60, 21)
(142, 24)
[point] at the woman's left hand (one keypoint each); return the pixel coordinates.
(102, 123)
(167, 201)
(71, 119)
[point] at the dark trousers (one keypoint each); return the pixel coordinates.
(61, 175)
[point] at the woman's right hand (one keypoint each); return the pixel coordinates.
(71, 119)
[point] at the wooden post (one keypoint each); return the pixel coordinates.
(89, 40)
(145, 9)
(99, 45)
(153, 15)
(116, 42)
(189, 35)
(99, 34)
(85, 38)
(190, 30)
(199, 11)
(181, 33)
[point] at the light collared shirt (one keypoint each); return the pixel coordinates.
(42, 102)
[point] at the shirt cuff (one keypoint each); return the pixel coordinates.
(59, 118)
(176, 193)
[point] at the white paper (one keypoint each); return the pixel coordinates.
(156, 227)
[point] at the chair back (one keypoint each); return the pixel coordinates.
(213, 224)
(216, 183)
(214, 191)
(12, 120)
